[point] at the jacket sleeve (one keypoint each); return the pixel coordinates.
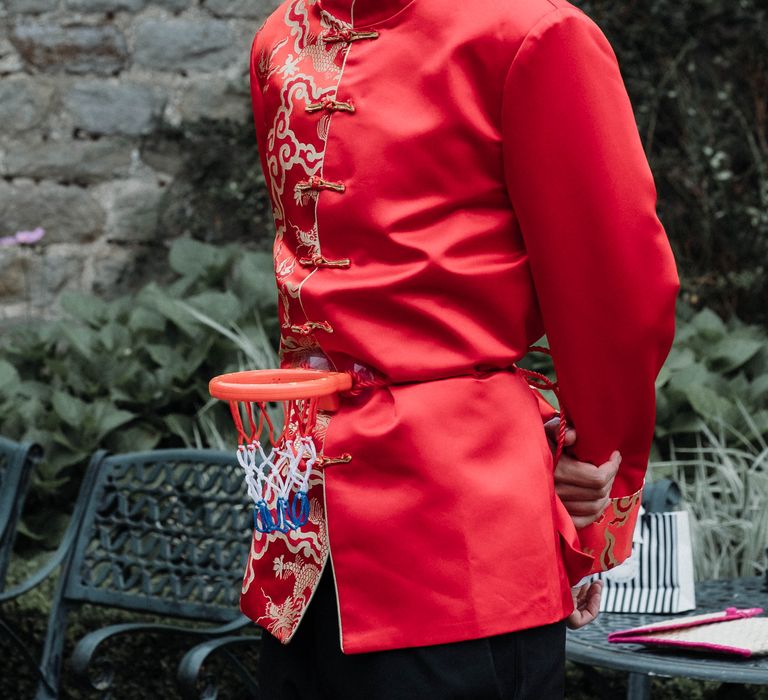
(603, 270)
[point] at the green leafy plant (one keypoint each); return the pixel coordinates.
(716, 371)
(132, 374)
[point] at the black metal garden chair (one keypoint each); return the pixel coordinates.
(17, 461)
(163, 533)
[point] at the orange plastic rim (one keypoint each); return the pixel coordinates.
(278, 384)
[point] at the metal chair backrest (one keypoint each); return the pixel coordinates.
(17, 460)
(165, 532)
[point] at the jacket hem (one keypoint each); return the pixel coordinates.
(388, 638)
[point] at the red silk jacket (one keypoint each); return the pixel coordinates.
(449, 181)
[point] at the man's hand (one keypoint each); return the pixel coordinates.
(583, 487)
(586, 603)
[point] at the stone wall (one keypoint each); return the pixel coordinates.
(93, 94)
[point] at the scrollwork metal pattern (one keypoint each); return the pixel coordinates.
(175, 531)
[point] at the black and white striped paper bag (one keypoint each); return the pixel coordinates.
(658, 575)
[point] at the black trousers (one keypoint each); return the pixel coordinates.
(523, 665)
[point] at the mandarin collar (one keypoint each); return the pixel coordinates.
(362, 13)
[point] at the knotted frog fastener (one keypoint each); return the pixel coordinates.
(331, 105)
(311, 327)
(323, 461)
(349, 35)
(317, 183)
(322, 261)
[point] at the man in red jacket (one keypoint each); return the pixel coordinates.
(525, 664)
(449, 181)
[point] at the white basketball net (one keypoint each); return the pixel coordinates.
(277, 477)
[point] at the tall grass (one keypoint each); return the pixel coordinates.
(256, 352)
(723, 477)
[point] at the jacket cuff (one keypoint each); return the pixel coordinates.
(608, 540)
(603, 544)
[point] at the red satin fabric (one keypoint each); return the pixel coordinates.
(494, 188)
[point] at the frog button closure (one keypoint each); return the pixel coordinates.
(328, 104)
(322, 261)
(317, 183)
(348, 35)
(312, 326)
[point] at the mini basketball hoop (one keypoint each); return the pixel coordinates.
(277, 475)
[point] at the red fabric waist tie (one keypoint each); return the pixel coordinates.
(363, 378)
(541, 381)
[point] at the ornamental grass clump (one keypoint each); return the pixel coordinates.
(723, 476)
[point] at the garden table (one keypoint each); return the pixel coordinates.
(589, 645)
